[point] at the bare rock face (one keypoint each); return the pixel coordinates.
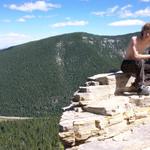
(105, 107)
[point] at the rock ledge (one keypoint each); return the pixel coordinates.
(105, 107)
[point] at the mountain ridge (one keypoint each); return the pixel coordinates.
(37, 78)
(68, 34)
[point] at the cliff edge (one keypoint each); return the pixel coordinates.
(106, 113)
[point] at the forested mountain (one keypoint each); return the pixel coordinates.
(38, 78)
(33, 134)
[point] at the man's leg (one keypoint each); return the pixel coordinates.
(140, 73)
(142, 88)
(132, 67)
(147, 73)
(138, 68)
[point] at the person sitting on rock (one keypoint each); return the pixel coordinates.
(135, 59)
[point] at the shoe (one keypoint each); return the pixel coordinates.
(143, 90)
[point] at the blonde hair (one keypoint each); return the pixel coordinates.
(146, 27)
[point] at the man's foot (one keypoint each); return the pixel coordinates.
(143, 90)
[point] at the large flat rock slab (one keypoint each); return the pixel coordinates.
(136, 139)
(101, 110)
(121, 81)
(109, 107)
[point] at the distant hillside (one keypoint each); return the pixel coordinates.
(38, 78)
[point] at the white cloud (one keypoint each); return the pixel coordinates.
(70, 23)
(112, 10)
(98, 13)
(29, 16)
(108, 12)
(143, 12)
(126, 7)
(124, 12)
(139, 13)
(130, 22)
(68, 18)
(31, 6)
(145, 0)
(13, 38)
(46, 16)
(116, 11)
(21, 20)
(25, 18)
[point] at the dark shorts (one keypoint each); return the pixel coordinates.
(141, 70)
(131, 66)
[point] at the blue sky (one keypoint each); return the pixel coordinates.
(27, 20)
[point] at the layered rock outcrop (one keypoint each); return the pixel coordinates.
(106, 106)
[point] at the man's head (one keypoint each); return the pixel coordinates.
(145, 32)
